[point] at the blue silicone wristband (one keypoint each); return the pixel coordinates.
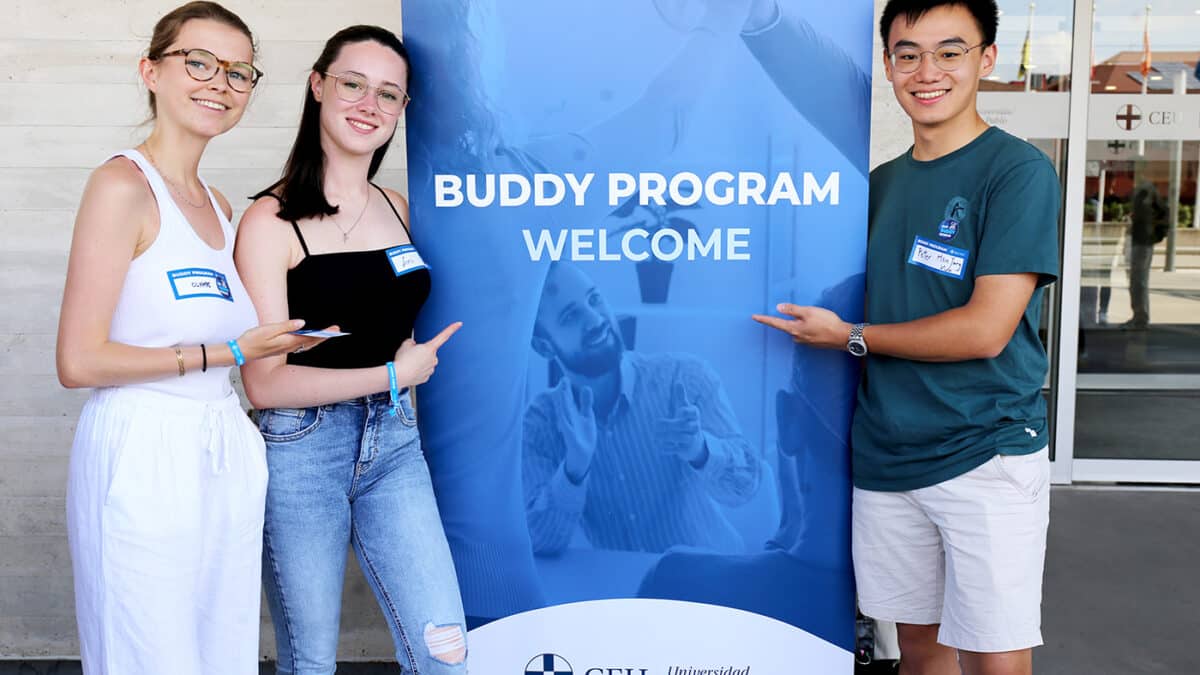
(238, 357)
(393, 388)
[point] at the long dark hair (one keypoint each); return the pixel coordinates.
(301, 189)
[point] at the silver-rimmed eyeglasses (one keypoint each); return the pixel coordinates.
(352, 87)
(947, 57)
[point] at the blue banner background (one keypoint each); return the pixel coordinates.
(641, 86)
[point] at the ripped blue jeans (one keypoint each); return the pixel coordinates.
(352, 474)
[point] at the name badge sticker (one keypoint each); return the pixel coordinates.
(945, 260)
(405, 259)
(199, 282)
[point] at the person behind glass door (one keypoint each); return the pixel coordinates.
(167, 477)
(327, 245)
(1146, 228)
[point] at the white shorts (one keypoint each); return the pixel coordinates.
(966, 553)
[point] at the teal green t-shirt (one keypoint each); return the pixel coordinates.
(990, 207)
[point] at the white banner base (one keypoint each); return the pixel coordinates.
(649, 637)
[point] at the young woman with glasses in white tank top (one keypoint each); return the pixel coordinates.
(167, 477)
(326, 245)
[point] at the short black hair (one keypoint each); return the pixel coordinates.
(985, 12)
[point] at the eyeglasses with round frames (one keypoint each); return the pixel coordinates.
(202, 64)
(947, 58)
(353, 87)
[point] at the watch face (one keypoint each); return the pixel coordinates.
(857, 348)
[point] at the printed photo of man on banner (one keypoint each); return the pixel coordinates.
(628, 468)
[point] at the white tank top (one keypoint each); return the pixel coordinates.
(181, 291)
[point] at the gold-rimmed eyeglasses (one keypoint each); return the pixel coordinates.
(202, 65)
(948, 58)
(352, 87)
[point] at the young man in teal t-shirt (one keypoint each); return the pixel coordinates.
(950, 465)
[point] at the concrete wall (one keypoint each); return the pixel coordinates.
(891, 130)
(69, 96)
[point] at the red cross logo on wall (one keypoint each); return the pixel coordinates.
(1129, 118)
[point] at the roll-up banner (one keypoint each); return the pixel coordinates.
(635, 478)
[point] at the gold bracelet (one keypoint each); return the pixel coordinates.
(179, 359)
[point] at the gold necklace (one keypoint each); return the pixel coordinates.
(171, 184)
(346, 233)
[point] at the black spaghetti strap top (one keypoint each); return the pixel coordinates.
(364, 293)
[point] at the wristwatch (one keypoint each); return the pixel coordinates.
(856, 345)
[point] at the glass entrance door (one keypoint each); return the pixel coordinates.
(1137, 403)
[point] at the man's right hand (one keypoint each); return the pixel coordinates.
(577, 424)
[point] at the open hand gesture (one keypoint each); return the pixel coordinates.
(577, 424)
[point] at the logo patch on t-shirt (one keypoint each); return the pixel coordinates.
(199, 282)
(956, 211)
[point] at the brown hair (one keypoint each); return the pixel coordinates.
(168, 27)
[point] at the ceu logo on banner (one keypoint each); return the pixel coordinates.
(956, 210)
(548, 664)
(553, 664)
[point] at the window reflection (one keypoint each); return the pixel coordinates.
(1034, 42)
(1141, 47)
(1140, 298)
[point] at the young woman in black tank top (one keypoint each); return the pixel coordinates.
(326, 245)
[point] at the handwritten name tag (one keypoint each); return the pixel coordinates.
(405, 259)
(945, 260)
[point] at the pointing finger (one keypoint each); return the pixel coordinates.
(784, 325)
(440, 339)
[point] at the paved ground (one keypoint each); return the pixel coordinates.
(1121, 596)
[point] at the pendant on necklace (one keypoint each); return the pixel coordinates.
(345, 237)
